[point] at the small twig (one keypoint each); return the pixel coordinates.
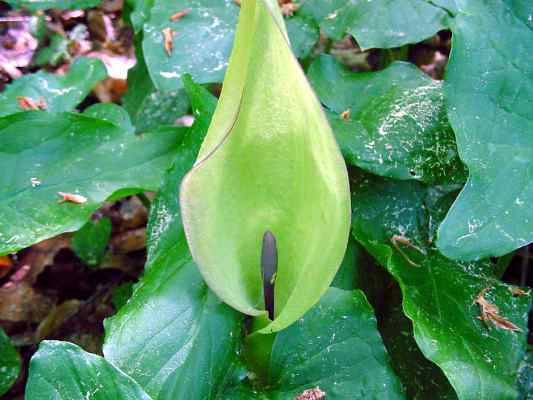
(398, 239)
(180, 14)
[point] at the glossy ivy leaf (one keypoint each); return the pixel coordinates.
(9, 363)
(269, 163)
(336, 347)
(397, 125)
(148, 107)
(201, 43)
(34, 5)
(59, 92)
(43, 154)
(490, 102)
(422, 379)
(174, 336)
(90, 242)
(479, 358)
(347, 277)
(63, 371)
(378, 23)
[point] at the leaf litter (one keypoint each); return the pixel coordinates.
(490, 312)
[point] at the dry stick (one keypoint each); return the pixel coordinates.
(403, 240)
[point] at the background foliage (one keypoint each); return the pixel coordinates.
(430, 103)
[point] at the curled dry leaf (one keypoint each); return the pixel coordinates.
(288, 8)
(5, 265)
(345, 115)
(168, 35)
(27, 103)
(180, 14)
(72, 198)
(490, 312)
(517, 292)
(312, 394)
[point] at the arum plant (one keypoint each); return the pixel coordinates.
(269, 182)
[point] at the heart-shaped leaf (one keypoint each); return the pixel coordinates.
(45, 154)
(63, 371)
(393, 121)
(269, 163)
(490, 104)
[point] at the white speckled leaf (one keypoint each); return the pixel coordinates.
(201, 44)
(490, 107)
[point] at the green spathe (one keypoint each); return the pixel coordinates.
(269, 162)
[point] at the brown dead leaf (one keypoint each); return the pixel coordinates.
(42, 254)
(180, 14)
(129, 241)
(490, 312)
(56, 318)
(288, 8)
(168, 35)
(345, 115)
(110, 90)
(5, 265)
(517, 292)
(20, 302)
(312, 394)
(72, 198)
(27, 103)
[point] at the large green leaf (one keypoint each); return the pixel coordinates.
(335, 346)
(397, 126)
(34, 5)
(490, 102)
(202, 38)
(174, 336)
(9, 363)
(60, 92)
(63, 371)
(378, 23)
(269, 163)
(422, 379)
(201, 45)
(147, 106)
(479, 358)
(43, 154)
